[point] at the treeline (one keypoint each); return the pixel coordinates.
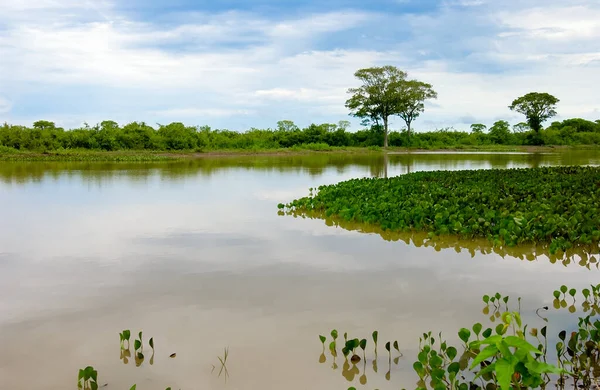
(110, 136)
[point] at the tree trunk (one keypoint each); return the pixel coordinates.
(408, 129)
(385, 131)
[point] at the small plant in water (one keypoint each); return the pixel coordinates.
(87, 379)
(375, 337)
(223, 361)
(124, 336)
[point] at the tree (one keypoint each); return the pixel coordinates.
(287, 125)
(412, 100)
(537, 107)
(344, 125)
(500, 132)
(378, 96)
(478, 128)
(44, 125)
(384, 92)
(521, 127)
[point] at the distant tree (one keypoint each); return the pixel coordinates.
(44, 125)
(344, 125)
(384, 92)
(521, 127)
(412, 101)
(500, 132)
(287, 125)
(537, 108)
(478, 128)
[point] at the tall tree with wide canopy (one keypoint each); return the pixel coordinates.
(412, 100)
(537, 107)
(385, 91)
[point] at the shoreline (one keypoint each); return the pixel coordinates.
(144, 155)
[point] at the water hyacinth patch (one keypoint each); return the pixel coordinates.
(558, 206)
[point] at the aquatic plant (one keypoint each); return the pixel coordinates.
(504, 358)
(557, 206)
(223, 361)
(87, 379)
(124, 336)
(375, 336)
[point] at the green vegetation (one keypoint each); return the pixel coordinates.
(558, 206)
(141, 142)
(509, 354)
(87, 379)
(537, 108)
(385, 91)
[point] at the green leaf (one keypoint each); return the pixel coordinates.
(363, 344)
(477, 328)
(375, 336)
(486, 299)
(137, 344)
(94, 386)
(504, 373)
(564, 289)
(464, 334)
(542, 368)
(332, 346)
(396, 346)
(454, 368)
(387, 346)
(133, 387)
(334, 334)
(572, 292)
(322, 338)
(127, 334)
(513, 341)
(451, 352)
(151, 342)
(486, 353)
(487, 333)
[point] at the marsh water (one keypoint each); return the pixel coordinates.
(195, 254)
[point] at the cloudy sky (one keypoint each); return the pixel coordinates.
(248, 63)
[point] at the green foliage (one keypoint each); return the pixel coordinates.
(508, 360)
(87, 379)
(537, 108)
(500, 133)
(557, 206)
(385, 91)
(45, 140)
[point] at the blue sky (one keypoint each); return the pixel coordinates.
(240, 64)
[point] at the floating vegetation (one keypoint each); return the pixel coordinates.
(556, 206)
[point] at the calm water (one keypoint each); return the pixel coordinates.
(195, 254)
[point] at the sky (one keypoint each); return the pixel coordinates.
(240, 64)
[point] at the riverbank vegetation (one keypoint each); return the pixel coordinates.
(45, 137)
(558, 206)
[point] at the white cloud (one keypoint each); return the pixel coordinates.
(237, 64)
(5, 105)
(200, 112)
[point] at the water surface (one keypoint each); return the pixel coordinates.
(195, 254)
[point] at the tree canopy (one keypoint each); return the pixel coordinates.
(537, 108)
(386, 91)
